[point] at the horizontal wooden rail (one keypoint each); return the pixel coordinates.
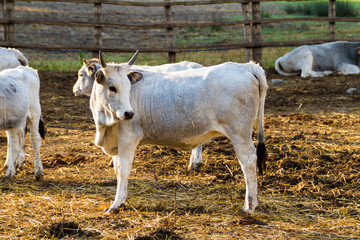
(159, 3)
(218, 46)
(173, 24)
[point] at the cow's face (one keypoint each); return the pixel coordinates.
(357, 50)
(86, 78)
(110, 98)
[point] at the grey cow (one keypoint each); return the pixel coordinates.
(321, 60)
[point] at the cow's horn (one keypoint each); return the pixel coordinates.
(102, 62)
(132, 60)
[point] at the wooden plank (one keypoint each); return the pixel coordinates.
(161, 4)
(256, 30)
(249, 52)
(172, 24)
(170, 34)
(332, 15)
(2, 15)
(10, 26)
(164, 49)
(98, 17)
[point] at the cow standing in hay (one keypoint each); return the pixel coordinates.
(321, 60)
(19, 103)
(182, 110)
(86, 79)
(11, 58)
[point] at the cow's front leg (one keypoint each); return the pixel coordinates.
(196, 158)
(122, 166)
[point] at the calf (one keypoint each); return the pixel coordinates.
(86, 78)
(11, 58)
(19, 102)
(181, 110)
(321, 60)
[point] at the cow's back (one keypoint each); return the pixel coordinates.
(328, 56)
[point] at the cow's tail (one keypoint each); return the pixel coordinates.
(280, 70)
(42, 128)
(259, 73)
(22, 59)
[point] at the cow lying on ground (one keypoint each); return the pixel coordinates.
(19, 102)
(321, 60)
(182, 110)
(86, 78)
(11, 58)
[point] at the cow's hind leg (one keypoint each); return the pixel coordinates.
(196, 158)
(8, 150)
(246, 154)
(35, 138)
(14, 147)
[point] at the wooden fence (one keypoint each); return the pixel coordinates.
(251, 24)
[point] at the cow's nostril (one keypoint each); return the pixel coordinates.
(129, 115)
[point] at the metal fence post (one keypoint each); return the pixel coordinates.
(98, 17)
(170, 33)
(332, 15)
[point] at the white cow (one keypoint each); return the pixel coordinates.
(11, 58)
(321, 60)
(182, 110)
(19, 102)
(86, 78)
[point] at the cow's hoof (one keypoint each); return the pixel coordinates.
(197, 167)
(7, 179)
(39, 177)
(115, 210)
(111, 163)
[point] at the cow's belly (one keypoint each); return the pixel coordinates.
(185, 142)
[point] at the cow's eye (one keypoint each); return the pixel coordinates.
(113, 89)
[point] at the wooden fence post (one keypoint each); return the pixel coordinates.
(332, 15)
(170, 33)
(2, 16)
(247, 31)
(256, 13)
(98, 17)
(10, 27)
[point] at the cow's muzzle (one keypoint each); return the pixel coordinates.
(128, 115)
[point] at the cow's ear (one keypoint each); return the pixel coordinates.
(85, 62)
(357, 50)
(99, 77)
(92, 69)
(134, 77)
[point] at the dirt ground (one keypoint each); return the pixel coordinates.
(310, 189)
